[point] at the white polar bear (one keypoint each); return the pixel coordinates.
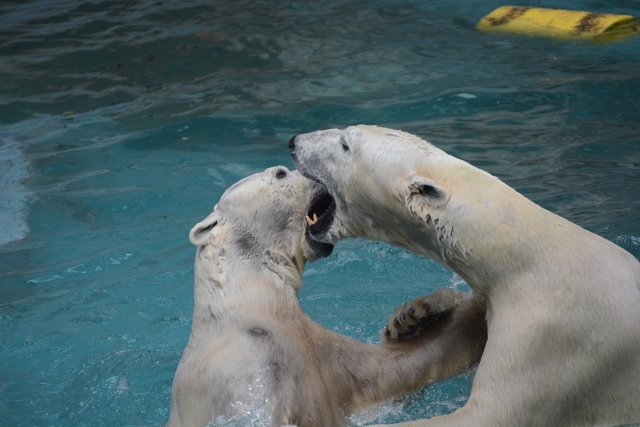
(563, 304)
(251, 343)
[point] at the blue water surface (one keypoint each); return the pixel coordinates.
(122, 122)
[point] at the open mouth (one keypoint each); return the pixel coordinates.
(321, 212)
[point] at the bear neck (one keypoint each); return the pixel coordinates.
(226, 283)
(496, 239)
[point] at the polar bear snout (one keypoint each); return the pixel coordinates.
(292, 142)
(323, 210)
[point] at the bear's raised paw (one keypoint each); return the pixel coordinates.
(413, 317)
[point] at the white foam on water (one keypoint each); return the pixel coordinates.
(375, 415)
(14, 194)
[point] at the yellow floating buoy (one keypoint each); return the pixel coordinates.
(558, 23)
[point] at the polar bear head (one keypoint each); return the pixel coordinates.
(387, 185)
(263, 216)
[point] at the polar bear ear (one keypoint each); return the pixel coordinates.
(425, 191)
(201, 232)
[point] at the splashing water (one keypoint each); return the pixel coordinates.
(254, 411)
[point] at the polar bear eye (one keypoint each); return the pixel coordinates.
(281, 173)
(429, 191)
(345, 147)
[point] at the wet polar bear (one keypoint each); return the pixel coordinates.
(563, 304)
(251, 343)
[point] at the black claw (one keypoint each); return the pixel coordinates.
(396, 323)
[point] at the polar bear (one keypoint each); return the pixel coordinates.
(251, 343)
(563, 304)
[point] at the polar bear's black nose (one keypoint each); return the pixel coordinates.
(292, 142)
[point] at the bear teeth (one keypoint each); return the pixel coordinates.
(312, 221)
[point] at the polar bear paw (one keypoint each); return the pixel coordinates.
(413, 317)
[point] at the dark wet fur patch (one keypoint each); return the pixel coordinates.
(247, 243)
(271, 349)
(259, 332)
(276, 373)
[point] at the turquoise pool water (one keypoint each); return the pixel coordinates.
(122, 122)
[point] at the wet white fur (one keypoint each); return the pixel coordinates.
(252, 346)
(563, 303)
